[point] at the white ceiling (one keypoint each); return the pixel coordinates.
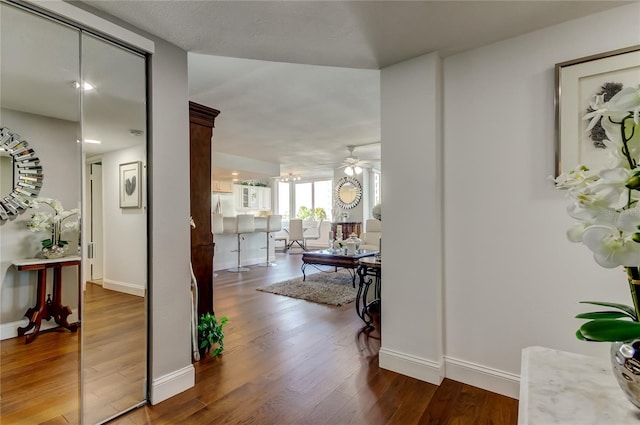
(298, 81)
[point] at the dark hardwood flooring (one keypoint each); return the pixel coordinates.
(40, 381)
(286, 361)
(289, 361)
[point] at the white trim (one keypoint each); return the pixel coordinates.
(76, 14)
(484, 377)
(127, 288)
(172, 383)
(10, 330)
(415, 367)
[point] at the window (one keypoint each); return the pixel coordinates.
(303, 198)
(323, 199)
(283, 199)
(377, 195)
(311, 200)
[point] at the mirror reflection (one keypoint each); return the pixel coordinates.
(115, 265)
(348, 192)
(6, 173)
(39, 60)
(103, 361)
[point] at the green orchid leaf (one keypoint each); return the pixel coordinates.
(599, 315)
(580, 336)
(627, 309)
(610, 330)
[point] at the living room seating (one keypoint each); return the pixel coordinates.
(372, 234)
(296, 233)
(312, 233)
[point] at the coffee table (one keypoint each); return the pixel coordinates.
(334, 258)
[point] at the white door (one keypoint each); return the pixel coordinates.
(95, 220)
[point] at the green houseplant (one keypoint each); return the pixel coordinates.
(210, 334)
(605, 204)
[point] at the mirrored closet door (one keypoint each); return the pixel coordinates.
(114, 334)
(79, 102)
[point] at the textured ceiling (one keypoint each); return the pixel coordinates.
(303, 116)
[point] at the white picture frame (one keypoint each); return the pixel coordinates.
(577, 83)
(130, 185)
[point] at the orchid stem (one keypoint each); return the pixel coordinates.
(634, 284)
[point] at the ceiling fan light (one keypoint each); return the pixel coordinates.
(358, 169)
(348, 171)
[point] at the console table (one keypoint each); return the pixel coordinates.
(348, 227)
(48, 308)
(369, 270)
(563, 388)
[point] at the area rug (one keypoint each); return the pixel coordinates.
(332, 288)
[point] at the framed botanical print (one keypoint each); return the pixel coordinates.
(578, 82)
(130, 192)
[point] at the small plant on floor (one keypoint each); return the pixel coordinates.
(210, 334)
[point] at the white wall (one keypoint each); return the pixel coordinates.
(124, 229)
(170, 246)
(412, 251)
(512, 278)
(55, 143)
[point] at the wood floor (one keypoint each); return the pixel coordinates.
(40, 381)
(286, 361)
(293, 362)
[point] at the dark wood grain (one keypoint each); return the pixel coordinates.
(201, 123)
(286, 362)
(290, 361)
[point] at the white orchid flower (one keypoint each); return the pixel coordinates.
(577, 177)
(610, 247)
(594, 201)
(575, 232)
(625, 101)
(599, 109)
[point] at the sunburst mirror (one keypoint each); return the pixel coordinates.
(20, 174)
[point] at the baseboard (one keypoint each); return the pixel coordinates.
(415, 367)
(10, 330)
(490, 379)
(127, 288)
(484, 377)
(172, 383)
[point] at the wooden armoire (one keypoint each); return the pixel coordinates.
(201, 123)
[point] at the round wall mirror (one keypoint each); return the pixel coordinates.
(348, 192)
(20, 174)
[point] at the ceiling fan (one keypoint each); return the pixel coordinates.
(352, 164)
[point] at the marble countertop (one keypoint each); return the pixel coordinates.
(557, 387)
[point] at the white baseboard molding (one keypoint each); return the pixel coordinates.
(10, 330)
(484, 377)
(415, 367)
(172, 383)
(127, 288)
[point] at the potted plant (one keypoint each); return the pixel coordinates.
(210, 334)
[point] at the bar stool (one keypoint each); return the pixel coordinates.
(273, 225)
(244, 223)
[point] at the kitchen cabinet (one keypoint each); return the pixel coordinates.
(221, 186)
(252, 198)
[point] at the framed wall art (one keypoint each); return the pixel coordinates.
(130, 192)
(578, 82)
